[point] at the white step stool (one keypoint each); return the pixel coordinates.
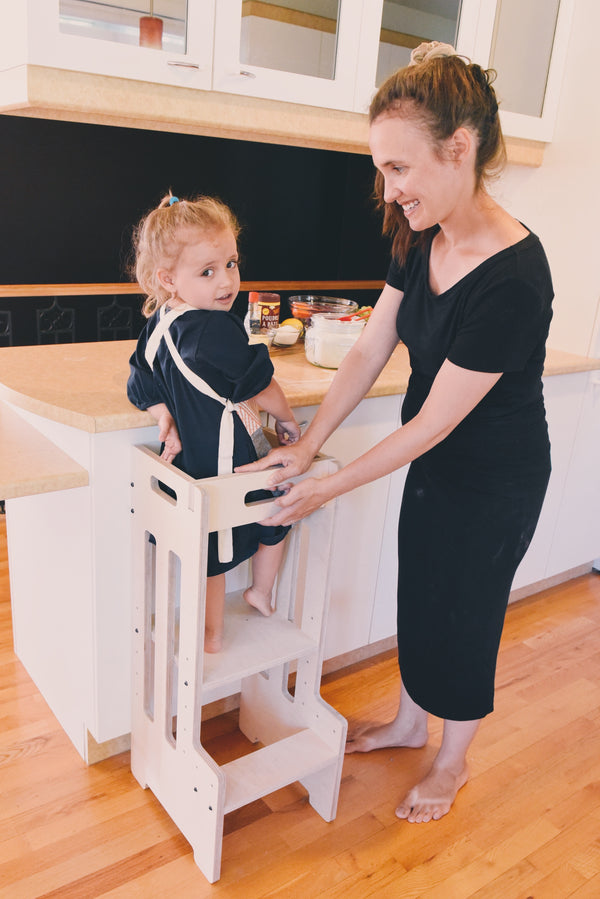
(302, 736)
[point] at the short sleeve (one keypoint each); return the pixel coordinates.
(142, 388)
(396, 275)
(501, 327)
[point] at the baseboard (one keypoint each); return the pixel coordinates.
(547, 583)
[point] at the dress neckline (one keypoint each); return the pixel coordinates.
(478, 268)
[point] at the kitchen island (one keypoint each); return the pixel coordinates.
(67, 428)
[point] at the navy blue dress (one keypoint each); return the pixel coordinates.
(471, 504)
(215, 346)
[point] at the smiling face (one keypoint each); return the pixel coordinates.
(426, 184)
(206, 273)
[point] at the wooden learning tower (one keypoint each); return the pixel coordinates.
(302, 737)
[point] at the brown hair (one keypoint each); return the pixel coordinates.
(162, 234)
(442, 93)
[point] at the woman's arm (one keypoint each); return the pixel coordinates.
(454, 393)
(352, 381)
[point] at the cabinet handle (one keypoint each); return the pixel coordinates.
(183, 65)
(247, 74)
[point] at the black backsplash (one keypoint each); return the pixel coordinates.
(71, 194)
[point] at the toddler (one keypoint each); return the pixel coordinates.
(195, 372)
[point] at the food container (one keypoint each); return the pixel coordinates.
(286, 335)
(262, 335)
(305, 305)
(328, 340)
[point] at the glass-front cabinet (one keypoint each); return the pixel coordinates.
(525, 41)
(328, 53)
(161, 41)
(302, 51)
(391, 29)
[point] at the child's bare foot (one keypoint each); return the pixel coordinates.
(213, 642)
(432, 798)
(381, 736)
(259, 600)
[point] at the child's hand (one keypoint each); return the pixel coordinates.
(167, 431)
(287, 432)
(169, 435)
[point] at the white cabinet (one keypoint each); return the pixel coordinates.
(364, 541)
(525, 41)
(303, 52)
(568, 532)
(576, 539)
(327, 53)
(104, 38)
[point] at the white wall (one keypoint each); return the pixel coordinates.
(560, 201)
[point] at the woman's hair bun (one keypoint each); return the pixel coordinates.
(430, 50)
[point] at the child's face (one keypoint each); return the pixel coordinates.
(206, 274)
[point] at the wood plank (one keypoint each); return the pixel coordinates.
(270, 768)
(122, 288)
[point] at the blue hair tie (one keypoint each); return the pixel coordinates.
(173, 200)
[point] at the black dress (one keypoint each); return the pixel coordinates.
(214, 345)
(470, 504)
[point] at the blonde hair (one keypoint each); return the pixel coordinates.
(442, 92)
(161, 235)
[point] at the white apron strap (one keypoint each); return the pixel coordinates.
(226, 429)
(164, 323)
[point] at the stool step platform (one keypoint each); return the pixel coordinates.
(273, 767)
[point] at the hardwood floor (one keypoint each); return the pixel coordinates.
(526, 825)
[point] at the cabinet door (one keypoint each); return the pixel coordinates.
(390, 30)
(525, 41)
(302, 51)
(104, 38)
(577, 536)
(563, 397)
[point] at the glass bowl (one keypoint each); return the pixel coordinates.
(305, 305)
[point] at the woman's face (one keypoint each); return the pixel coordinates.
(420, 180)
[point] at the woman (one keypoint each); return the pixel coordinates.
(469, 292)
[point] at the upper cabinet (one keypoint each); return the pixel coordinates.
(160, 41)
(320, 53)
(302, 51)
(525, 41)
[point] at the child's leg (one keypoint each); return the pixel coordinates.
(215, 613)
(265, 565)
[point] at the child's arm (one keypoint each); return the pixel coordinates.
(167, 431)
(272, 400)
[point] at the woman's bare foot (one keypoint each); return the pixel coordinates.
(381, 736)
(432, 798)
(259, 600)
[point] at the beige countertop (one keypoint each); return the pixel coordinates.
(36, 465)
(83, 384)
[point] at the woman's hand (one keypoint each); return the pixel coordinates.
(167, 431)
(292, 460)
(301, 500)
